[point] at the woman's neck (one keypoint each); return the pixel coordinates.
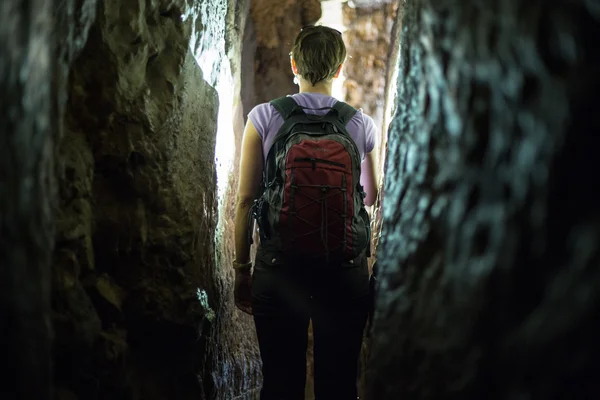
(320, 87)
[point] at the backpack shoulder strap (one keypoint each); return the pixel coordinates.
(285, 106)
(345, 112)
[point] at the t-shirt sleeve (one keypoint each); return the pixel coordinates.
(261, 117)
(370, 133)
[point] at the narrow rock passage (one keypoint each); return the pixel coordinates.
(120, 125)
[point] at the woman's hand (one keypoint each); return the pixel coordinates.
(251, 169)
(243, 290)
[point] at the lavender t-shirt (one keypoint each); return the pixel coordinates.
(267, 121)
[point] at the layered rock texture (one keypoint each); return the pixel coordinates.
(368, 38)
(116, 206)
(26, 143)
(141, 293)
(489, 257)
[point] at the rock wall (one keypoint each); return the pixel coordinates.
(369, 42)
(26, 196)
(236, 362)
(390, 106)
(141, 304)
(490, 254)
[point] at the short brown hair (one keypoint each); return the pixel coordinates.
(318, 52)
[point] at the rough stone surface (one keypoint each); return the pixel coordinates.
(236, 364)
(390, 94)
(26, 196)
(141, 305)
(490, 254)
(368, 39)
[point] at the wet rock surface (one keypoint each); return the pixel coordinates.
(489, 258)
(141, 304)
(26, 197)
(489, 255)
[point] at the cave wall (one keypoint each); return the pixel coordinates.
(40, 40)
(368, 38)
(26, 197)
(236, 363)
(489, 254)
(141, 303)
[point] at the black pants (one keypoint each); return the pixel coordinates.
(286, 295)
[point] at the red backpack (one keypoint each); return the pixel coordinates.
(312, 202)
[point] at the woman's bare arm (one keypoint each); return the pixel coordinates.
(368, 178)
(251, 169)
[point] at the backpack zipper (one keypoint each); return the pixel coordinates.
(314, 161)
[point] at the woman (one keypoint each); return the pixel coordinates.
(283, 298)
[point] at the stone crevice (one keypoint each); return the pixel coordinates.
(116, 195)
